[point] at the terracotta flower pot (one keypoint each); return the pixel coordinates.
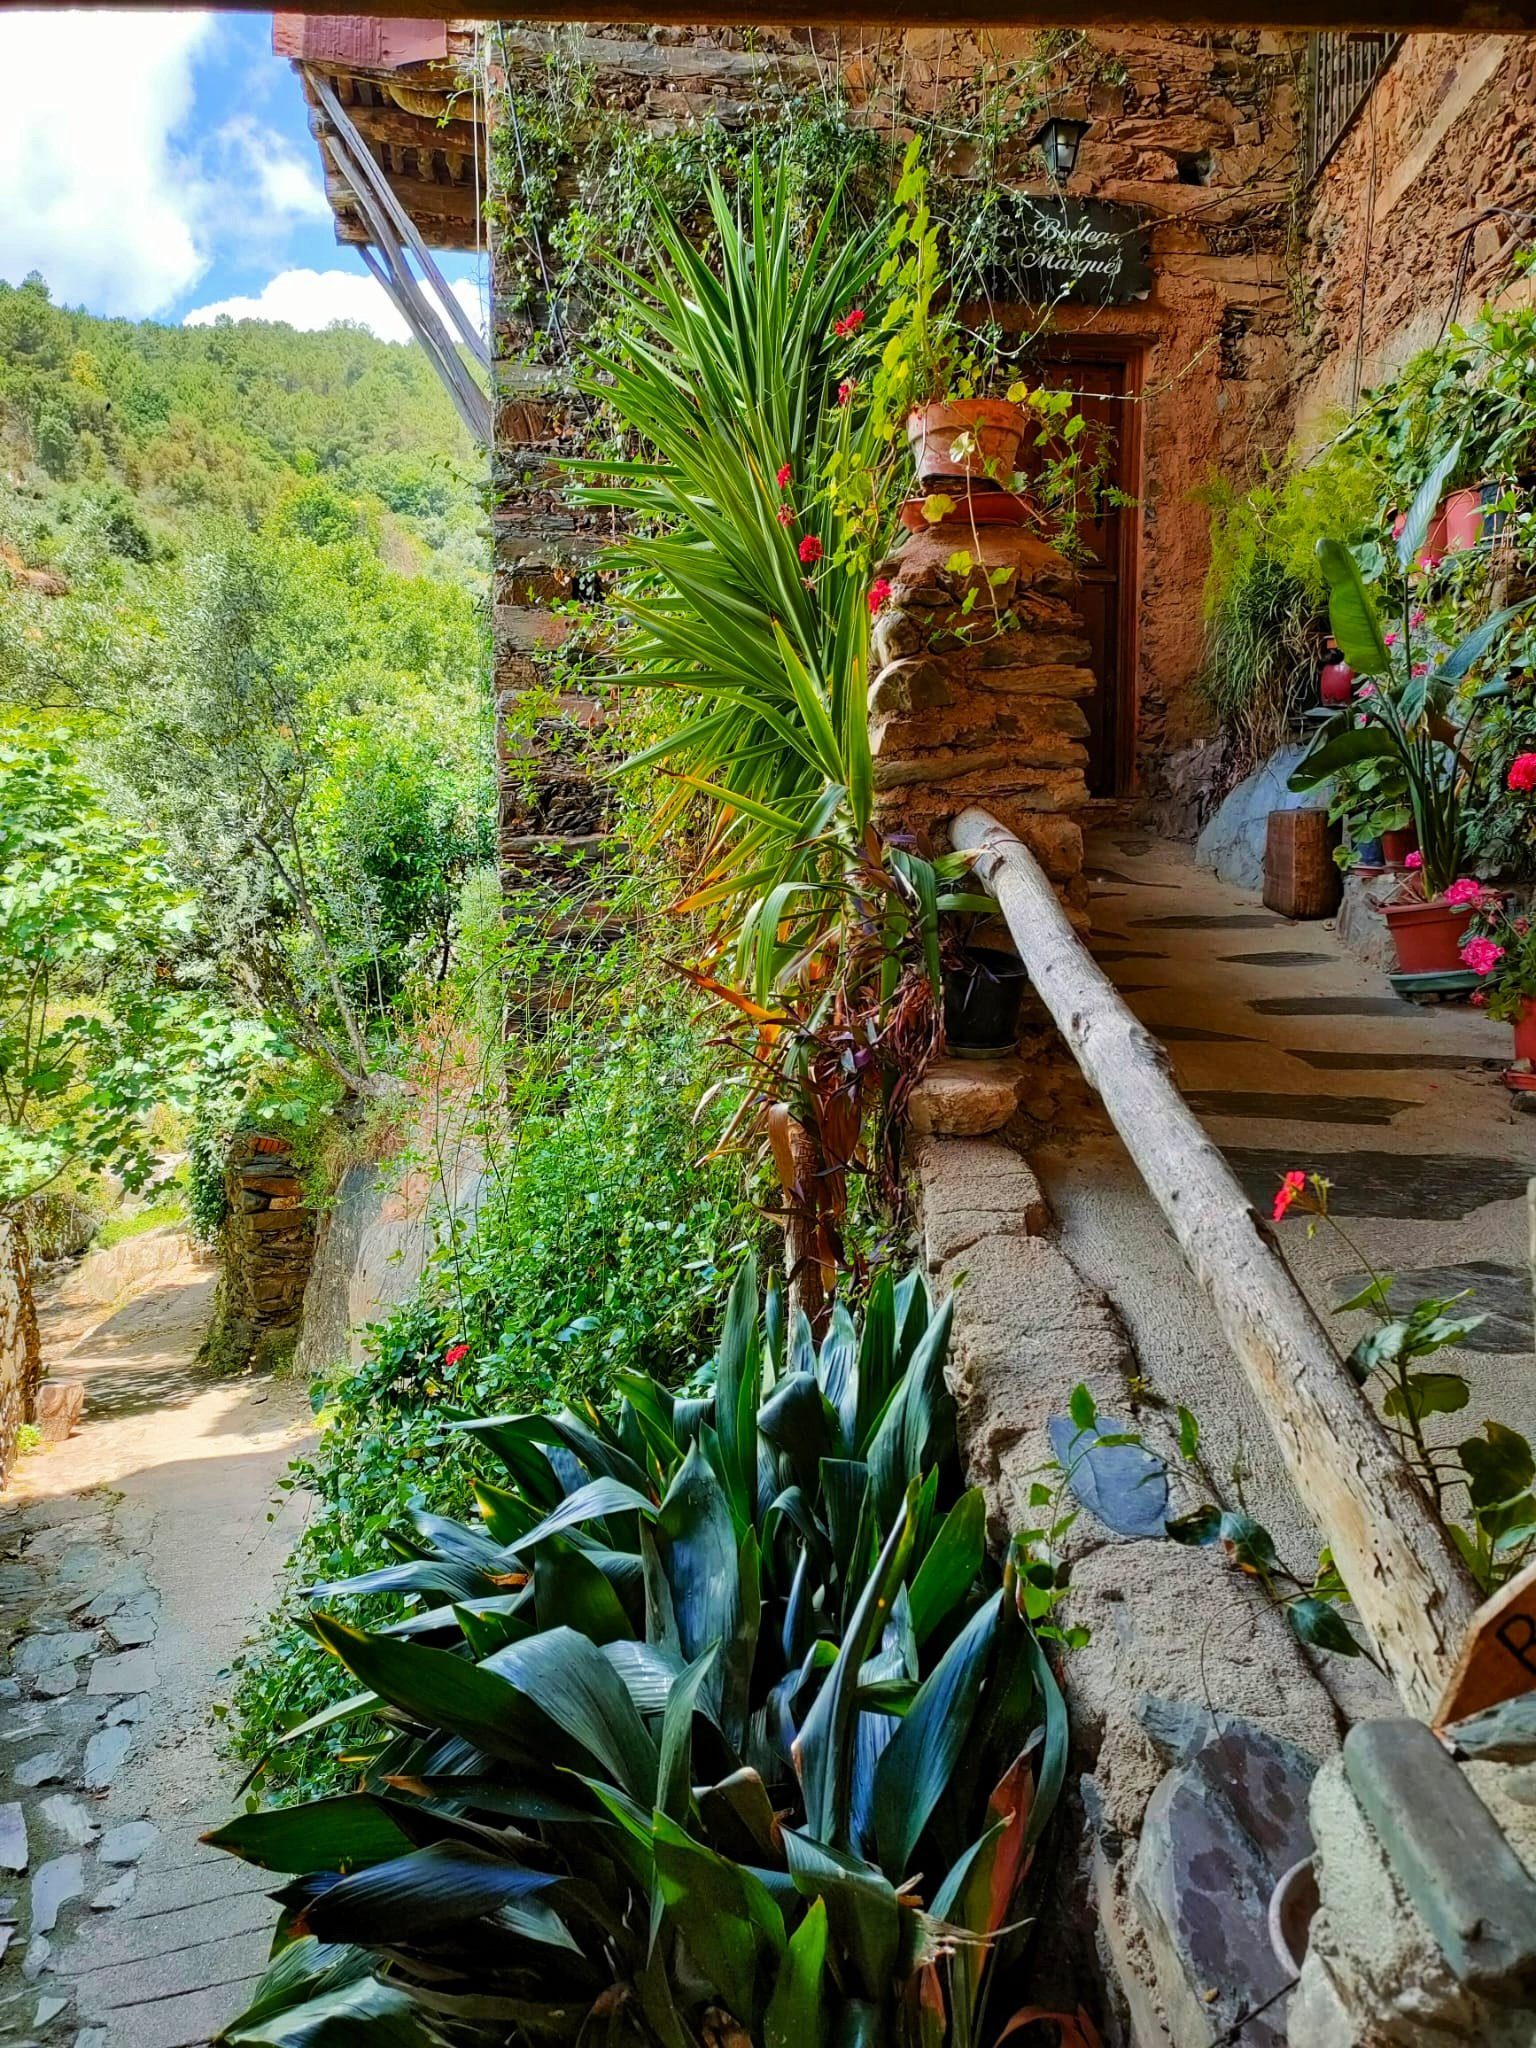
(1525, 1031)
(1434, 548)
(991, 428)
(1428, 936)
(1396, 846)
(1464, 519)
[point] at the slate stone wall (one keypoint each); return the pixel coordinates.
(268, 1246)
(20, 1358)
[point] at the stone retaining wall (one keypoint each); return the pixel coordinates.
(268, 1244)
(20, 1357)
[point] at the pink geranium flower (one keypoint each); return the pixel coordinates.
(1482, 955)
(1414, 859)
(1522, 772)
(1288, 1191)
(1464, 891)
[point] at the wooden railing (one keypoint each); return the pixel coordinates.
(1408, 1583)
(1338, 73)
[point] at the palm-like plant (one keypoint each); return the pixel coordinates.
(719, 1727)
(748, 598)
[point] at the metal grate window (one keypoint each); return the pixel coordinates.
(1340, 71)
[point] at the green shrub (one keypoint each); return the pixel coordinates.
(717, 1723)
(601, 1244)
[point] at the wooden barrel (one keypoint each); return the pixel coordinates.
(1301, 877)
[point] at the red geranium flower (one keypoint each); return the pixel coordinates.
(454, 1353)
(845, 391)
(1522, 772)
(879, 592)
(850, 323)
(783, 477)
(810, 549)
(785, 514)
(1289, 1189)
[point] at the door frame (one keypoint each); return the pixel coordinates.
(1130, 352)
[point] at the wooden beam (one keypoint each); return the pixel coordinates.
(1407, 1581)
(1470, 17)
(421, 197)
(402, 130)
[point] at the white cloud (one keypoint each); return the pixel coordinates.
(93, 189)
(258, 159)
(309, 299)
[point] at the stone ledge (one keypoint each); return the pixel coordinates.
(965, 1098)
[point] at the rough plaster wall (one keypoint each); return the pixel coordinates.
(1438, 170)
(20, 1364)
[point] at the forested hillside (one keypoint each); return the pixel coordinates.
(241, 641)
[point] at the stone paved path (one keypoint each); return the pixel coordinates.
(1296, 1054)
(133, 1562)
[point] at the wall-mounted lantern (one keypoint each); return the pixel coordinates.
(1058, 142)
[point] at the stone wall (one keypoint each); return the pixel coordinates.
(268, 1244)
(1195, 131)
(20, 1358)
(1415, 220)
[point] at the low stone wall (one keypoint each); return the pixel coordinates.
(268, 1244)
(20, 1357)
(1198, 1720)
(979, 661)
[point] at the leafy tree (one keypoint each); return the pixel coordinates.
(96, 1031)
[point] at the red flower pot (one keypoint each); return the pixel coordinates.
(1525, 1031)
(1396, 846)
(1434, 548)
(993, 426)
(1336, 681)
(1464, 519)
(1428, 936)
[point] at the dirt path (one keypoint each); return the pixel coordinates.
(134, 1560)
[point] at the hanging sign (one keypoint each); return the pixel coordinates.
(1047, 248)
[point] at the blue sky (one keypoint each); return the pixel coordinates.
(160, 166)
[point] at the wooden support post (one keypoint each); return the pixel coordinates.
(1408, 1584)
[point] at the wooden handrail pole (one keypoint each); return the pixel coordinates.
(1408, 1583)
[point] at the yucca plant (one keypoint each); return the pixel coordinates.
(720, 1726)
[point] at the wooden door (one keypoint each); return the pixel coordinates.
(1106, 387)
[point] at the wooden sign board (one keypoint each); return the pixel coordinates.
(1498, 1658)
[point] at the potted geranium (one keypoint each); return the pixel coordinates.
(1410, 715)
(1501, 951)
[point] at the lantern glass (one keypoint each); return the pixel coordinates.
(1058, 140)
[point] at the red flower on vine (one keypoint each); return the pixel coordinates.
(454, 1353)
(1522, 772)
(879, 594)
(845, 391)
(1290, 1188)
(810, 550)
(850, 323)
(782, 478)
(785, 515)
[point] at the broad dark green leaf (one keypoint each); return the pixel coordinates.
(796, 2016)
(734, 1931)
(323, 1834)
(440, 1689)
(862, 1911)
(570, 1591)
(441, 1886)
(569, 1683)
(1352, 611)
(1320, 1623)
(913, 1775)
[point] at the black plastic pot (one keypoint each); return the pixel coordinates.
(981, 1003)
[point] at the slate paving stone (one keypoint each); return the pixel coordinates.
(56, 1681)
(1281, 957)
(105, 1754)
(38, 1653)
(1434, 1187)
(1288, 1109)
(33, 1771)
(131, 1671)
(13, 1836)
(1501, 1294)
(1389, 1062)
(126, 1844)
(67, 1817)
(117, 1894)
(56, 1883)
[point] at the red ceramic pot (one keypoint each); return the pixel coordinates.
(1396, 846)
(992, 426)
(1525, 1031)
(1464, 519)
(1428, 936)
(1336, 680)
